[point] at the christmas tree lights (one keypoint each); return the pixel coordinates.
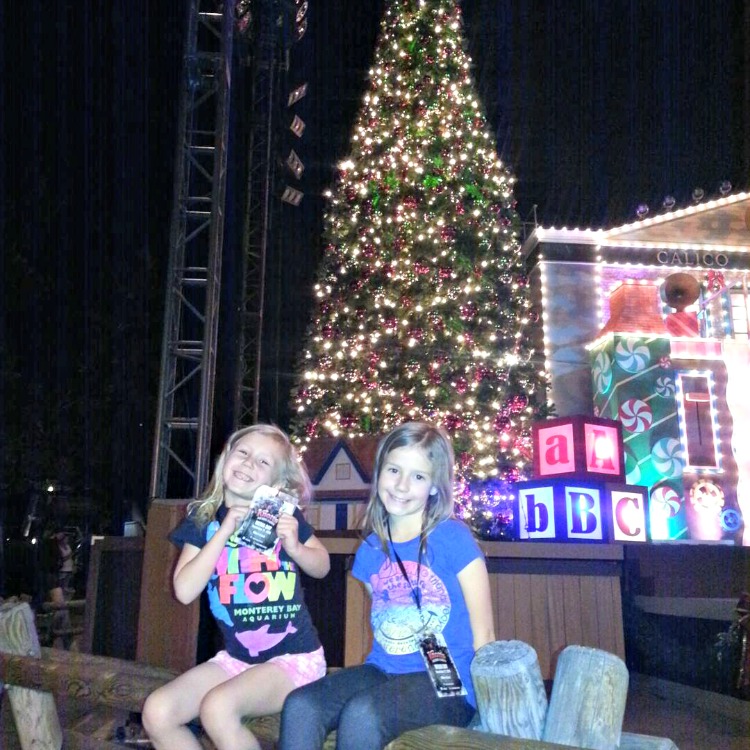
(421, 303)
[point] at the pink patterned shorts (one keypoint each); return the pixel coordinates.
(301, 668)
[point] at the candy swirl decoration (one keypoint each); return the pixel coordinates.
(665, 386)
(632, 356)
(632, 469)
(667, 457)
(636, 415)
(666, 501)
(602, 372)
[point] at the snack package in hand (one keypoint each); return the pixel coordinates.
(258, 529)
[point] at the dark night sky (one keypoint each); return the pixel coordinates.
(596, 105)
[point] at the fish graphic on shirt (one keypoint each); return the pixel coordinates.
(256, 641)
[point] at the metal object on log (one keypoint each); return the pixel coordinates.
(34, 712)
(588, 699)
(511, 699)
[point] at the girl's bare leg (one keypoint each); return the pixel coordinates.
(256, 692)
(168, 709)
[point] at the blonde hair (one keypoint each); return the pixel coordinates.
(292, 475)
(436, 444)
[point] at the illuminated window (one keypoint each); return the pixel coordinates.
(697, 421)
(740, 312)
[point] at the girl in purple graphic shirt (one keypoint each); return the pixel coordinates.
(270, 643)
(431, 608)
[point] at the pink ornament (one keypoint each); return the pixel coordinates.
(452, 422)
(465, 460)
(468, 311)
(501, 423)
(348, 421)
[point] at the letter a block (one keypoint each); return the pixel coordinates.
(579, 446)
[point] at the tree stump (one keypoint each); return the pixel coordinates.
(511, 699)
(34, 712)
(588, 699)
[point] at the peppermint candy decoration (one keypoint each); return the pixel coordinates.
(631, 356)
(666, 500)
(636, 415)
(667, 457)
(602, 372)
(632, 469)
(665, 387)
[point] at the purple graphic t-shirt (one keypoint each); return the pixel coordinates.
(256, 598)
(397, 625)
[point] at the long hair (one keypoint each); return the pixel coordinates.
(292, 475)
(436, 444)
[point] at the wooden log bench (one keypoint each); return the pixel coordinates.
(47, 684)
(43, 684)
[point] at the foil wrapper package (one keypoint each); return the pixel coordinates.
(258, 529)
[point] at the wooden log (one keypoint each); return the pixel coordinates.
(511, 699)
(439, 737)
(588, 699)
(91, 680)
(34, 712)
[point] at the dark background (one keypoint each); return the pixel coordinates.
(597, 106)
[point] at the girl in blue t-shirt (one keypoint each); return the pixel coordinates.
(270, 643)
(431, 608)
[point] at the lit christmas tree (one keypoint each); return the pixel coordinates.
(421, 302)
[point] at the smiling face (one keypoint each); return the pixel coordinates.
(255, 459)
(404, 485)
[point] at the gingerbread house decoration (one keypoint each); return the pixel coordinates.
(649, 324)
(341, 473)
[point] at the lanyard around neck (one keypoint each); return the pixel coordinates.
(416, 594)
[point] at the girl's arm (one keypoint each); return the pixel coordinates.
(195, 566)
(475, 585)
(311, 556)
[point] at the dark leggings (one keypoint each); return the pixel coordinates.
(367, 707)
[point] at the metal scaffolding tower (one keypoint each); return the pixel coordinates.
(188, 363)
(263, 207)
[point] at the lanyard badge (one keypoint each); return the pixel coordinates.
(437, 658)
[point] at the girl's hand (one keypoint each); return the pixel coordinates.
(234, 517)
(287, 529)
